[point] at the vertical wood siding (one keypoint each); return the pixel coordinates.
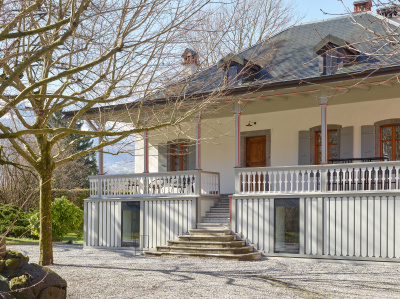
(161, 220)
(352, 226)
(167, 219)
(102, 224)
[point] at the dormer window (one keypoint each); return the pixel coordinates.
(238, 70)
(190, 61)
(334, 54)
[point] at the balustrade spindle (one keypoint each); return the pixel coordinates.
(302, 181)
(362, 173)
(368, 179)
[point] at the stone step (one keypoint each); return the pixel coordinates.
(211, 225)
(240, 257)
(213, 232)
(217, 215)
(221, 207)
(221, 210)
(234, 250)
(217, 220)
(206, 244)
(211, 238)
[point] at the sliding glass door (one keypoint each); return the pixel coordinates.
(286, 226)
(131, 224)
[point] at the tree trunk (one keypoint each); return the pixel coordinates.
(46, 238)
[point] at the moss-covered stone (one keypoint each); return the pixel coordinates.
(2, 265)
(12, 264)
(29, 281)
(2, 247)
(20, 282)
(15, 260)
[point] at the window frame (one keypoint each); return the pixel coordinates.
(316, 145)
(393, 140)
(181, 154)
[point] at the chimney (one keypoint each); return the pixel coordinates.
(390, 11)
(362, 5)
(190, 61)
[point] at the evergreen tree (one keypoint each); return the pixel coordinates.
(74, 175)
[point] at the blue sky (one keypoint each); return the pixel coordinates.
(311, 8)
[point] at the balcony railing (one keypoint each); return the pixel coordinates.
(189, 183)
(333, 178)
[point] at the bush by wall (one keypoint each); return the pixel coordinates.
(8, 213)
(65, 218)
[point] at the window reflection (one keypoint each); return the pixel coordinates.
(287, 225)
(131, 224)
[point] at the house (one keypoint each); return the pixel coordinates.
(305, 144)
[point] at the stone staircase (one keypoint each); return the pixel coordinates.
(208, 243)
(218, 216)
(213, 238)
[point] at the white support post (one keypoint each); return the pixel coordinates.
(237, 139)
(101, 157)
(323, 99)
(198, 142)
(323, 102)
(146, 152)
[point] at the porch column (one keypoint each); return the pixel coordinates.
(146, 152)
(323, 103)
(198, 142)
(237, 139)
(101, 157)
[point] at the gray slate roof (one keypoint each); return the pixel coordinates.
(289, 55)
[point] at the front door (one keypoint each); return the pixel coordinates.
(255, 157)
(256, 151)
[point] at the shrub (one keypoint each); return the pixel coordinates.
(65, 218)
(8, 213)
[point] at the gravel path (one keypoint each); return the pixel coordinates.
(121, 274)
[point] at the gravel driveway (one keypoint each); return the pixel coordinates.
(121, 274)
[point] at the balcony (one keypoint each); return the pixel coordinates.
(370, 177)
(178, 183)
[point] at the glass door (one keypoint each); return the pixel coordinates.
(130, 224)
(287, 225)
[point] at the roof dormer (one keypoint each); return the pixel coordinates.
(334, 53)
(237, 69)
(190, 61)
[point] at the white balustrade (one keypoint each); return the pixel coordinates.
(191, 183)
(360, 177)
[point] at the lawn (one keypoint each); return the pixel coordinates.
(69, 237)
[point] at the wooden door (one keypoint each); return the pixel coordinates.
(256, 151)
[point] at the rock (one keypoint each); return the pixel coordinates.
(52, 293)
(29, 281)
(2, 247)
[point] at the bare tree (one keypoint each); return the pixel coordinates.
(231, 28)
(82, 56)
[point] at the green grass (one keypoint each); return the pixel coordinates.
(73, 238)
(20, 240)
(69, 237)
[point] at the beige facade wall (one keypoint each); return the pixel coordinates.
(218, 134)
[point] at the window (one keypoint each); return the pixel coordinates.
(333, 145)
(390, 142)
(179, 156)
(334, 54)
(287, 225)
(130, 224)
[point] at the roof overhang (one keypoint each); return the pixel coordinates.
(275, 87)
